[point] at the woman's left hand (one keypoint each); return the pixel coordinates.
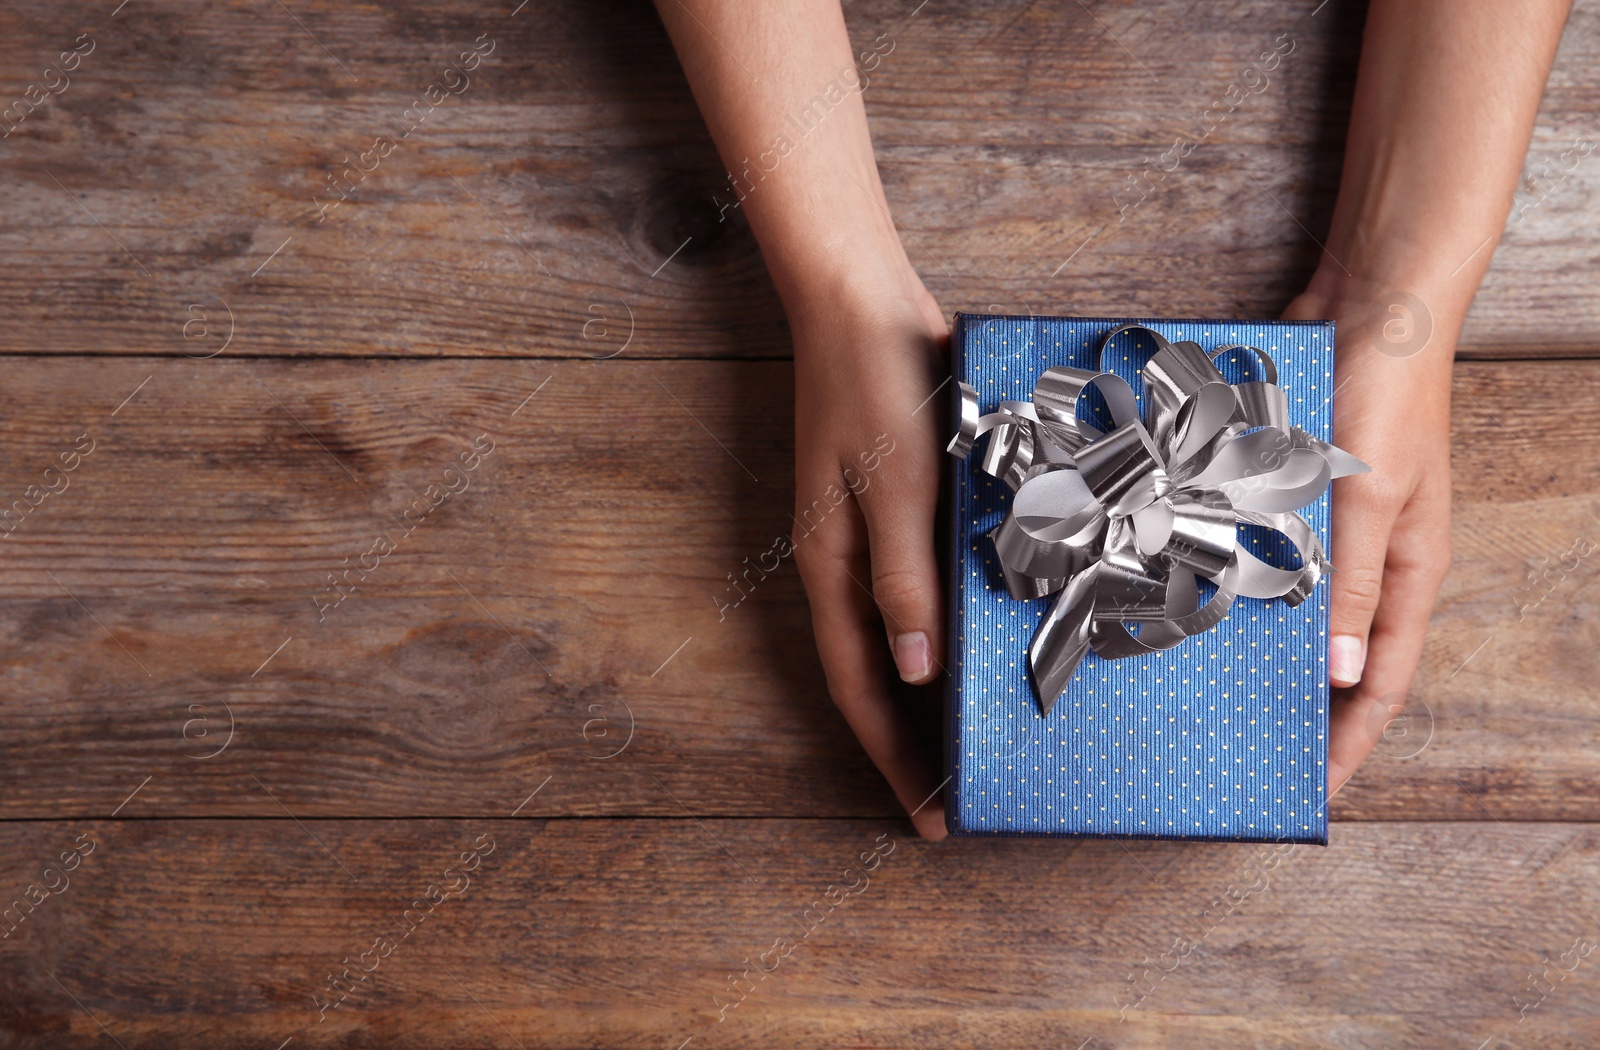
(1391, 527)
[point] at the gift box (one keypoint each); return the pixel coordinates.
(1101, 526)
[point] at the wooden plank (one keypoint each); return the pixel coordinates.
(518, 630)
(623, 933)
(166, 201)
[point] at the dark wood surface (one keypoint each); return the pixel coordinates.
(197, 536)
(573, 164)
(622, 932)
(541, 659)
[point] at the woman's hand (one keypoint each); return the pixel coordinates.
(1391, 527)
(870, 353)
(1438, 128)
(868, 348)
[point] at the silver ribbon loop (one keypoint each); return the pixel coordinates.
(1203, 533)
(1123, 470)
(1121, 523)
(966, 421)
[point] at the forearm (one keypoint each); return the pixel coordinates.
(780, 90)
(1444, 107)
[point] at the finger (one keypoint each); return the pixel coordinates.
(1362, 519)
(832, 561)
(1418, 557)
(899, 509)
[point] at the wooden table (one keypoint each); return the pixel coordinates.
(252, 784)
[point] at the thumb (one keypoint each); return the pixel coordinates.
(1361, 526)
(905, 573)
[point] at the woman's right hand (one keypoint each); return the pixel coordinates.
(870, 356)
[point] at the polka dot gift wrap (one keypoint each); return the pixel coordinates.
(1223, 737)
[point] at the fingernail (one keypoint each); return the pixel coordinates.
(913, 656)
(930, 824)
(1346, 656)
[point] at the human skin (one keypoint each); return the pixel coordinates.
(1445, 103)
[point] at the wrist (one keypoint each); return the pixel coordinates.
(826, 231)
(1412, 314)
(826, 272)
(1446, 288)
(818, 257)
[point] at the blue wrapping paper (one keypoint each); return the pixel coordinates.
(1223, 737)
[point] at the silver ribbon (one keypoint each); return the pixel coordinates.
(1122, 523)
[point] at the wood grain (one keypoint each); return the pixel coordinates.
(540, 660)
(519, 630)
(619, 933)
(164, 202)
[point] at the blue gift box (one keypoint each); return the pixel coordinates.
(1223, 737)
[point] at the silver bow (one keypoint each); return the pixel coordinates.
(1123, 523)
